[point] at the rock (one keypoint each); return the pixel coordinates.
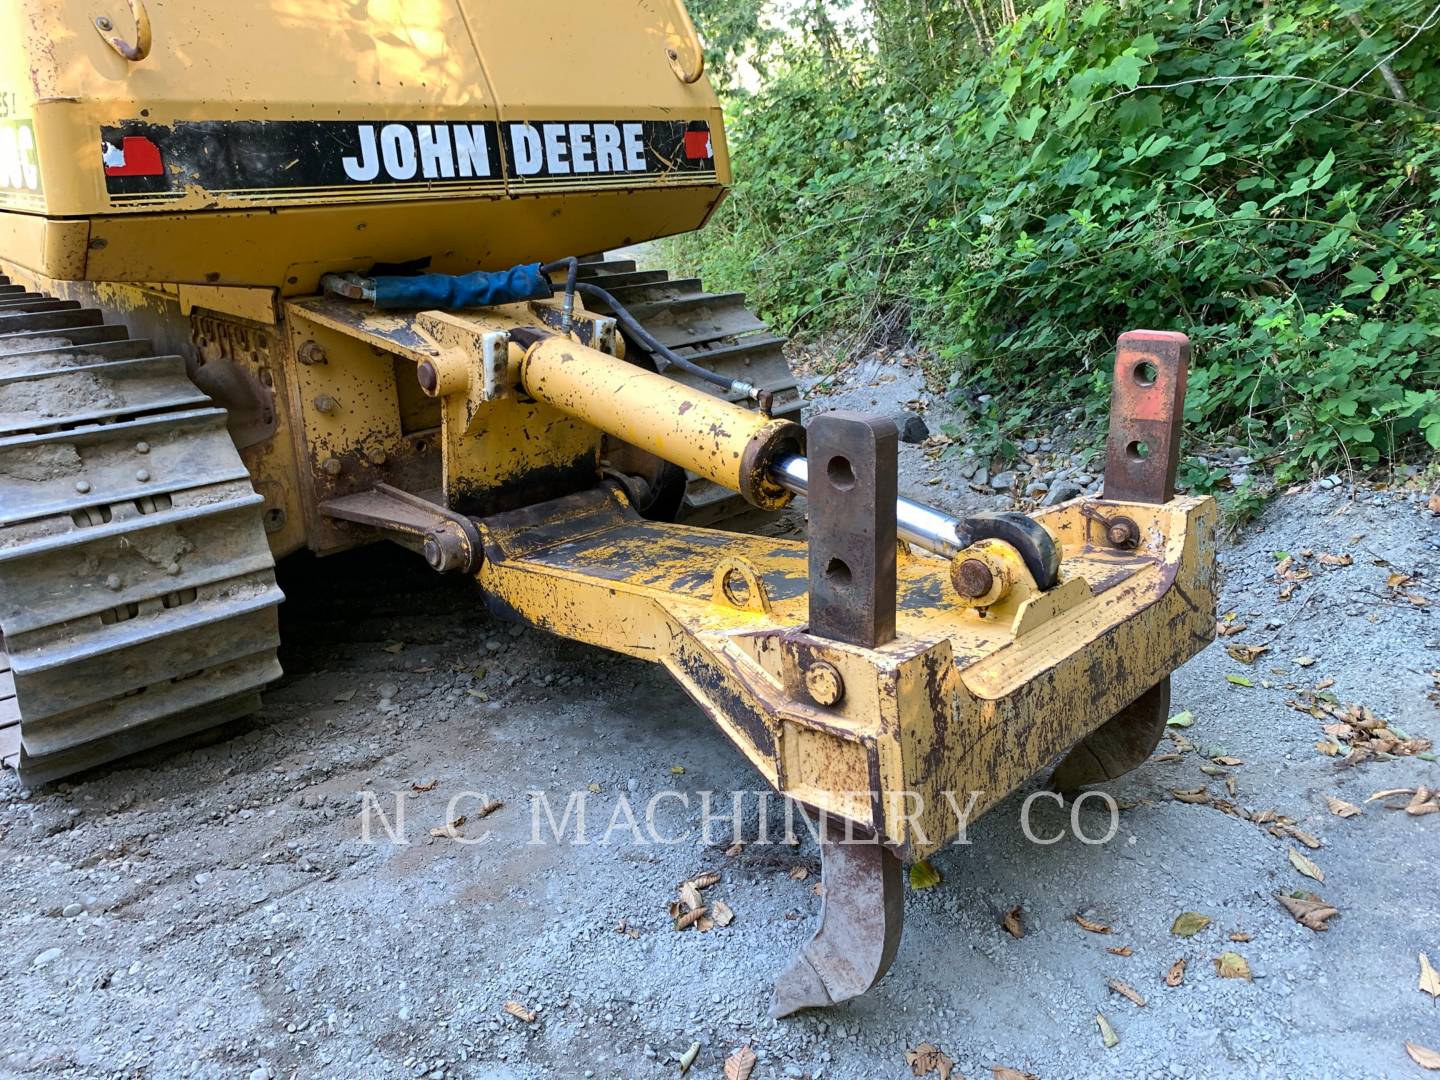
(49, 956)
(72, 909)
(202, 878)
(1003, 481)
(969, 467)
(1030, 445)
(1035, 490)
(387, 691)
(1063, 491)
(262, 1073)
(980, 477)
(913, 428)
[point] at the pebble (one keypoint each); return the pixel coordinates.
(1030, 445)
(1063, 491)
(262, 1073)
(47, 957)
(387, 691)
(72, 909)
(1003, 481)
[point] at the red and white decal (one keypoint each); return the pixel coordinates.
(135, 156)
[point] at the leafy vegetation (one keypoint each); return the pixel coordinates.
(1015, 188)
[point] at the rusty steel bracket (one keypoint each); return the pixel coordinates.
(1120, 744)
(1147, 408)
(449, 541)
(852, 461)
(861, 914)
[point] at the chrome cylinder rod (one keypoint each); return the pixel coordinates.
(916, 523)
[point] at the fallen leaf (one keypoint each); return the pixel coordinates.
(1305, 661)
(705, 880)
(1247, 654)
(1121, 950)
(1229, 629)
(1126, 991)
(1238, 680)
(1241, 936)
(1423, 1055)
(1325, 684)
(1181, 719)
(1434, 503)
(1224, 759)
(740, 1064)
(734, 849)
(721, 914)
(1093, 927)
(425, 785)
(923, 875)
(1230, 965)
(520, 1012)
(689, 918)
(1308, 910)
(1189, 923)
(927, 1058)
(1176, 975)
(1330, 749)
(690, 896)
(1418, 600)
(677, 770)
(1341, 808)
(451, 829)
(1002, 1072)
(1337, 560)
(1107, 1033)
(594, 789)
(394, 647)
(799, 873)
(1191, 795)
(1420, 803)
(1397, 579)
(1305, 865)
(1011, 923)
(1389, 792)
(688, 1058)
(1311, 842)
(1429, 979)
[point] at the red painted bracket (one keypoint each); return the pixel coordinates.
(1147, 409)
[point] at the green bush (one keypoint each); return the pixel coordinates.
(1246, 175)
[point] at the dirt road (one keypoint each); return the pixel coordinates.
(218, 913)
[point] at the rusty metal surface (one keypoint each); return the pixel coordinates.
(852, 488)
(1147, 408)
(448, 541)
(1120, 744)
(861, 914)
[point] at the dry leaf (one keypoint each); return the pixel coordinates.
(1310, 841)
(520, 1012)
(734, 849)
(1107, 1033)
(1429, 979)
(923, 875)
(721, 914)
(1305, 865)
(1434, 503)
(1126, 991)
(425, 786)
(1305, 661)
(1226, 760)
(1189, 923)
(450, 830)
(394, 647)
(690, 918)
(799, 873)
(690, 896)
(1397, 579)
(1418, 600)
(1121, 950)
(1341, 808)
(1176, 975)
(1247, 654)
(688, 1058)
(1418, 803)
(927, 1058)
(1390, 792)
(1423, 1055)
(1093, 927)
(1191, 795)
(740, 1064)
(1337, 560)
(1002, 1072)
(704, 881)
(1230, 965)
(1309, 910)
(1012, 924)
(1229, 629)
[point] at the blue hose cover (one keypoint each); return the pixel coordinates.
(450, 291)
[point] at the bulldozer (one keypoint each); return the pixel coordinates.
(303, 275)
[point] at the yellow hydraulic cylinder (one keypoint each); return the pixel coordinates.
(722, 441)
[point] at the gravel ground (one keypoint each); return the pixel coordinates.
(217, 912)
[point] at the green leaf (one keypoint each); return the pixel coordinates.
(1124, 70)
(1238, 680)
(1138, 112)
(1189, 923)
(1181, 719)
(1025, 127)
(923, 875)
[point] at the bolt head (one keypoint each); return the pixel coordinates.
(428, 376)
(113, 583)
(331, 466)
(104, 24)
(324, 403)
(142, 475)
(823, 683)
(82, 486)
(142, 447)
(972, 579)
(375, 456)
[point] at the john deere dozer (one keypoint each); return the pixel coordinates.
(300, 274)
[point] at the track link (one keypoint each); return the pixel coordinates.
(137, 589)
(715, 330)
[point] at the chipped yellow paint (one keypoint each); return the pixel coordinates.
(958, 702)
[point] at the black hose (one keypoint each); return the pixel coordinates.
(632, 326)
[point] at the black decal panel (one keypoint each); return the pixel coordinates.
(279, 161)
